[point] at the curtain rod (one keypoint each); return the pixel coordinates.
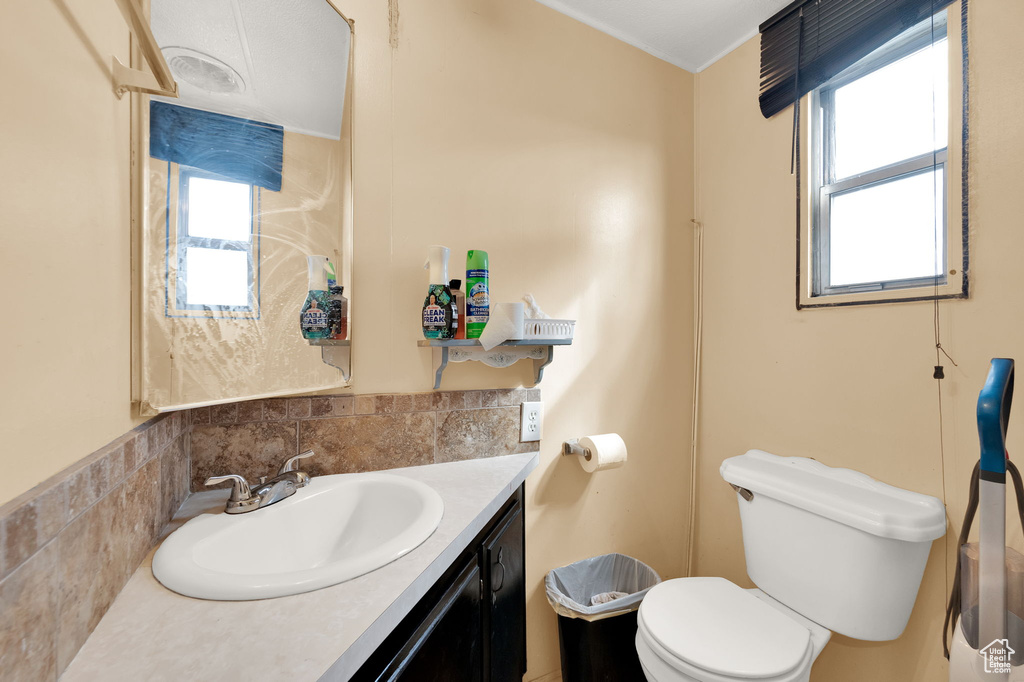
(160, 82)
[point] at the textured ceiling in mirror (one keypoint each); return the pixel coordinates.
(287, 60)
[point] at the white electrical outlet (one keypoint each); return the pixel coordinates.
(531, 422)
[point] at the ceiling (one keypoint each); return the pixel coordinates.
(692, 34)
(291, 57)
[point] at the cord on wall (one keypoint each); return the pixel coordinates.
(938, 373)
(698, 335)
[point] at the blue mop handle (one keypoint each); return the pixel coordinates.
(993, 415)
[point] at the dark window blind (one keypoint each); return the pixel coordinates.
(826, 37)
(237, 148)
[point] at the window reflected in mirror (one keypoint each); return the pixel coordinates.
(247, 174)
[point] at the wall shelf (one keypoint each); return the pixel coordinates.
(541, 351)
(336, 353)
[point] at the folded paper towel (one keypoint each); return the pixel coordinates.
(504, 324)
(533, 311)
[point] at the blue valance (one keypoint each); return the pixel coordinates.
(247, 151)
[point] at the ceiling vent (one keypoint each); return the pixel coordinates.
(203, 71)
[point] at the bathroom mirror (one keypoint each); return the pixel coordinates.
(243, 177)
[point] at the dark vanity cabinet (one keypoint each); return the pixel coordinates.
(471, 625)
(448, 643)
(505, 591)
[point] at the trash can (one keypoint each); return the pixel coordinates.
(596, 601)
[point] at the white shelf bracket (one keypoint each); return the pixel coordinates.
(539, 365)
(340, 357)
(337, 354)
(440, 364)
(500, 356)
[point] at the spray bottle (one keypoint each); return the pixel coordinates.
(478, 293)
(313, 318)
(460, 306)
(337, 311)
(440, 316)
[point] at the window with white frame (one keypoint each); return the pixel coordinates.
(880, 172)
(216, 267)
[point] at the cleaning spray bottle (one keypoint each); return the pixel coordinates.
(460, 306)
(440, 316)
(313, 318)
(337, 311)
(478, 293)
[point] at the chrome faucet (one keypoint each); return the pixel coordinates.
(290, 471)
(246, 498)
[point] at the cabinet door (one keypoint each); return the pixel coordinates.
(447, 645)
(505, 600)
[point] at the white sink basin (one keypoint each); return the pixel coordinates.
(335, 529)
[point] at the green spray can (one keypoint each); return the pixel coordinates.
(478, 293)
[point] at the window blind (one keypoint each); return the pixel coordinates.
(810, 41)
(237, 148)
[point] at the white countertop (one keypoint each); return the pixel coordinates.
(151, 633)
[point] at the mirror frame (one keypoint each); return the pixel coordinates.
(138, 198)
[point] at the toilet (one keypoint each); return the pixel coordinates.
(830, 550)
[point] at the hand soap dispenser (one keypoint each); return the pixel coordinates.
(440, 316)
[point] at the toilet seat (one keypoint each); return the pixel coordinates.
(660, 666)
(711, 629)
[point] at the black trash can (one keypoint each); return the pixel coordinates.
(596, 601)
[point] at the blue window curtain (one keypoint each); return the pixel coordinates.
(236, 148)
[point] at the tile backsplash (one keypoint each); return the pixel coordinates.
(356, 433)
(69, 545)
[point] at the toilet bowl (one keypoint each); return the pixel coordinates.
(831, 550)
(711, 630)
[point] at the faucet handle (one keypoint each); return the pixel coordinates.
(289, 464)
(239, 486)
(242, 499)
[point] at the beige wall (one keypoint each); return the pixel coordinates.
(490, 124)
(851, 387)
(64, 260)
(567, 155)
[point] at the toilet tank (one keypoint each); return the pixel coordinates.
(834, 545)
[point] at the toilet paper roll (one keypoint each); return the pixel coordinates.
(505, 324)
(607, 451)
(516, 312)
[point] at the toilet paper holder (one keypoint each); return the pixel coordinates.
(573, 447)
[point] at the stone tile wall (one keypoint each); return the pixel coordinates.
(69, 545)
(356, 433)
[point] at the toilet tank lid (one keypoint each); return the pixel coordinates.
(843, 495)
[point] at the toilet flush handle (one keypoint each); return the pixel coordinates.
(743, 492)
